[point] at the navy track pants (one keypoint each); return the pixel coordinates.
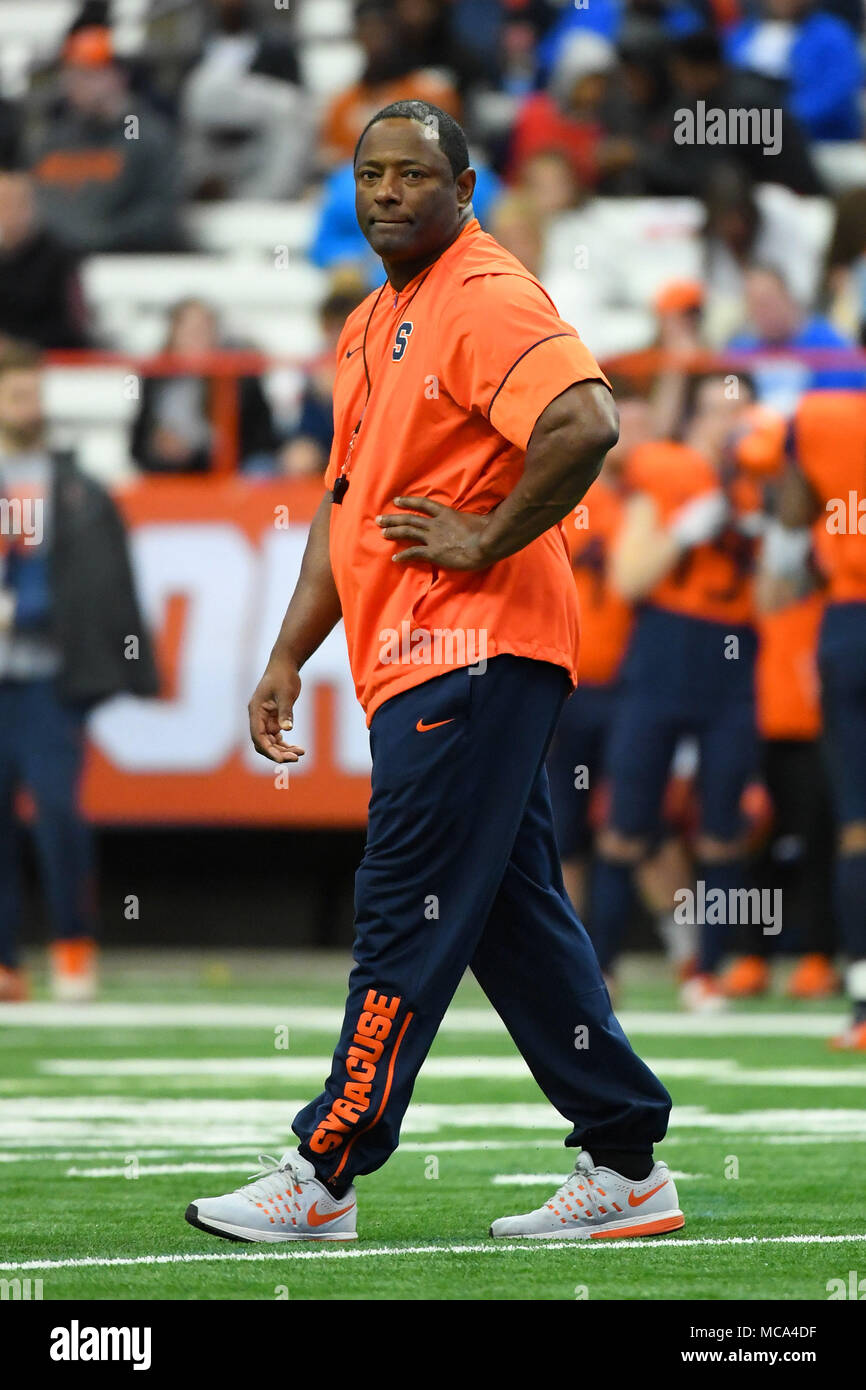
(461, 869)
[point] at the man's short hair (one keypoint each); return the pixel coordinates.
(450, 136)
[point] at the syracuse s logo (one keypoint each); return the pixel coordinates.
(402, 340)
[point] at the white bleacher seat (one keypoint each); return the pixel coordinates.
(605, 263)
(285, 335)
(91, 411)
(89, 393)
(841, 164)
(239, 227)
(40, 25)
(29, 33)
(101, 450)
(328, 66)
(323, 19)
(129, 294)
(162, 280)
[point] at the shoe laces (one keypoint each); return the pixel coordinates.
(276, 1178)
(580, 1194)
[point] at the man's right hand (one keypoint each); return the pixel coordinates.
(270, 711)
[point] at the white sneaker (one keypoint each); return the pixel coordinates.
(701, 995)
(286, 1201)
(598, 1204)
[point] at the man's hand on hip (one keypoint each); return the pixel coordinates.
(441, 535)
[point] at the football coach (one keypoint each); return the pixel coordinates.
(469, 422)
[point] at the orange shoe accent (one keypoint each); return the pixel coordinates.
(318, 1218)
(652, 1228)
(14, 987)
(814, 978)
(852, 1040)
(747, 977)
(422, 727)
(73, 957)
(634, 1201)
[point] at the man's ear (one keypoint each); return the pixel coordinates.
(465, 187)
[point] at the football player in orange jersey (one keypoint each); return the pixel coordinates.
(823, 503)
(576, 760)
(685, 555)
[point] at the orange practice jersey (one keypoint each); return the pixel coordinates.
(712, 581)
(462, 362)
(830, 445)
(786, 676)
(605, 617)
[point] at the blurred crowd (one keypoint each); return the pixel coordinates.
(574, 116)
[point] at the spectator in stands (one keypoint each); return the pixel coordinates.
(775, 320)
(390, 74)
(307, 443)
(816, 58)
(173, 432)
(672, 161)
(503, 38)
(106, 172)
(428, 36)
(642, 47)
(679, 310)
(71, 635)
(740, 230)
(246, 119)
(40, 294)
(569, 115)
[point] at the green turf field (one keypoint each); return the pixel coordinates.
(113, 1117)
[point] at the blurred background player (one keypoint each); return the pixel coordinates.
(685, 554)
(70, 636)
(825, 491)
(796, 855)
(576, 759)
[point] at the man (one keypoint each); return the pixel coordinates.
(70, 635)
(685, 554)
(822, 494)
(40, 293)
(815, 58)
(575, 763)
(105, 166)
(673, 159)
(776, 325)
(469, 421)
(389, 74)
(248, 132)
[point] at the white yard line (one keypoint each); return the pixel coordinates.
(37, 1121)
(390, 1252)
(328, 1019)
(716, 1071)
(160, 1170)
